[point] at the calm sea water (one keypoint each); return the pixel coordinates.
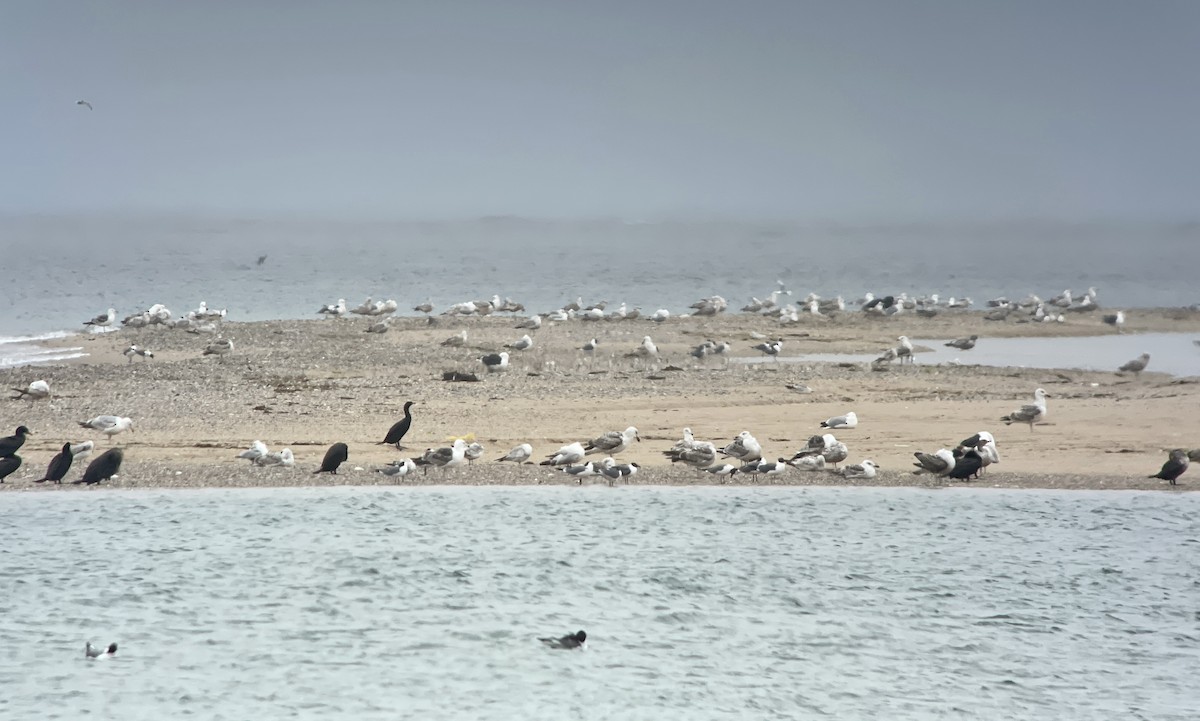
(62, 271)
(700, 604)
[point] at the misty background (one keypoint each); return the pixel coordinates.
(856, 111)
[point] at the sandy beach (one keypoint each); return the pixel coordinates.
(307, 384)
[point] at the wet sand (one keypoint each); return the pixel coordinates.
(307, 384)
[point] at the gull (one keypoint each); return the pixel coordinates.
(519, 454)
(109, 425)
(257, 450)
(581, 471)
(104, 320)
(387, 307)
(1136, 366)
(985, 444)
(565, 456)
(661, 315)
(473, 452)
(866, 469)
(939, 463)
(592, 314)
(814, 447)
(364, 308)
(646, 349)
(37, 390)
(137, 322)
(1031, 413)
(1177, 463)
(522, 343)
(904, 351)
(615, 472)
(835, 451)
(850, 420)
(90, 651)
(279, 458)
(134, 350)
(220, 348)
(770, 347)
(400, 468)
(495, 362)
(963, 343)
(88, 105)
(1116, 320)
(698, 455)
(533, 322)
(809, 463)
(589, 347)
(456, 341)
(570, 641)
(744, 448)
(381, 327)
(335, 310)
(688, 441)
(82, 450)
(612, 442)
(773, 468)
(425, 307)
(725, 470)
(446, 457)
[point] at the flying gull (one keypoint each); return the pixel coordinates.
(85, 104)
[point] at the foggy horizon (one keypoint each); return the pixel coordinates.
(856, 113)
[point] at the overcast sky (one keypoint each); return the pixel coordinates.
(847, 109)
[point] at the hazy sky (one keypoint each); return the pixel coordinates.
(847, 109)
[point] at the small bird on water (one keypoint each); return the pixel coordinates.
(90, 651)
(571, 640)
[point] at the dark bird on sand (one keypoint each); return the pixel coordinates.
(105, 466)
(398, 430)
(59, 465)
(1174, 467)
(11, 444)
(9, 466)
(571, 640)
(334, 457)
(967, 466)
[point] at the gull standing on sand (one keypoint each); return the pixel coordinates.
(850, 420)
(697, 454)
(456, 341)
(835, 451)
(279, 458)
(37, 390)
(939, 463)
(473, 452)
(82, 450)
(904, 351)
(613, 442)
(866, 469)
(445, 457)
(382, 326)
(1136, 366)
(808, 463)
(104, 320)
(109, 425)
(257, 450)
(565, 456)
(1176, 464)
(745, 448)
(400, 468)
(770, 348)
(519, 454)
(646, 349)
(1116, 320)
(580, 471)
(522, 343)
(963, 343)
(1032, 413)
(220, 348)
(134, 350)
(725, 470)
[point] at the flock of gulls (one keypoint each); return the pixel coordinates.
(596, 457)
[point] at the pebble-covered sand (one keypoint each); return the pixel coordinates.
(307, 384)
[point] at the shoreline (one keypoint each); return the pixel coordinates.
(307, 384)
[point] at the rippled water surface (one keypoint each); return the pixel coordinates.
(699, 603)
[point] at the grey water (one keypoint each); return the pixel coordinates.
(699, 603)
(1173, 353)
(61, 271)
